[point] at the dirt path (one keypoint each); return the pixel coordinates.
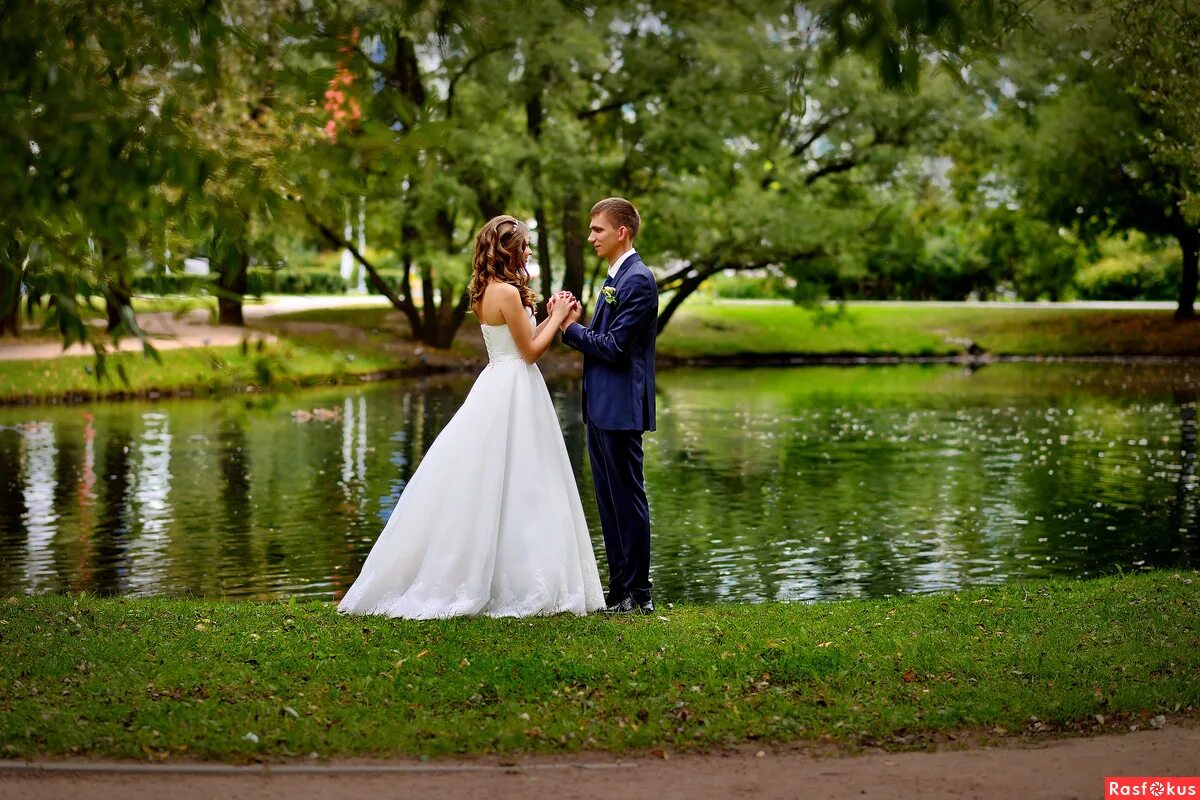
(1068, 768)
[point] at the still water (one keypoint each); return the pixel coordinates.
(803, 483)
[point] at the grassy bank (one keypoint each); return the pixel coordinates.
(202, 370)
(732, 329)
(191, 679)
(336, 345)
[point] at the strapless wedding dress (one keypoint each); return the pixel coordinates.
(490, 522)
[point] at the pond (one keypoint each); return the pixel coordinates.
(782, 483)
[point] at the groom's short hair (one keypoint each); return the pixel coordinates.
(620, 212)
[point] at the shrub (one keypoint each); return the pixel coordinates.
(752, 285)
(1131, 269)
(269, 281)
(161, 283)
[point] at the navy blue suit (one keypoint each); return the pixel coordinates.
(618, 407)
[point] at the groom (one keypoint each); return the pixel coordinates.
(618, 399)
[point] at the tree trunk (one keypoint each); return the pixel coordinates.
(234, 270)
(12, 273)
(573, 240)
(408, 305)
(686, 287)
(10, 319)
(117, 293)
(543, 246)
(534, 116)
(429, 322)
(117, 296)
(1189, 242)
(451, 317)
(231, 256)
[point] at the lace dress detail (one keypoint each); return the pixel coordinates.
(490, 522)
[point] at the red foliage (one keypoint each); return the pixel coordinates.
(343, 107)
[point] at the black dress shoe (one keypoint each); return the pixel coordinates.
(626, 606)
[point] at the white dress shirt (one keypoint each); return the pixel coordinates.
(615, 268)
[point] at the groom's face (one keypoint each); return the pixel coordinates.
(605, 237)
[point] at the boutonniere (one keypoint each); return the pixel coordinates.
(610, 295)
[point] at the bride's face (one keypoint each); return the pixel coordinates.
(525, 254)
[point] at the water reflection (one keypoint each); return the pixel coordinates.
(39, 482)
(763, 484)
(114, 527)
(147, 555)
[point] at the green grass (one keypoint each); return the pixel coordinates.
(300, 362)
(190, 679)
(364, 340)
(732, 329)
(365, 318)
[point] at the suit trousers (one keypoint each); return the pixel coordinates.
(617, 474)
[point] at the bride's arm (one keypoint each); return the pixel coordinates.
(531, 345)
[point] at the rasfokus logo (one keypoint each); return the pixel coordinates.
(1145, 786)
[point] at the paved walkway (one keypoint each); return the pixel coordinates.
(1068, 768)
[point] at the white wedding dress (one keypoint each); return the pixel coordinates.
(490, 522)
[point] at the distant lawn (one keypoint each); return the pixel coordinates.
(333, 344)
(725, 329)
(364, 318)
(191, 371)
(729, 329)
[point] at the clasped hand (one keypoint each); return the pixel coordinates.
(564, 309)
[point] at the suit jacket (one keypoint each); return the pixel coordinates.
(618, 351)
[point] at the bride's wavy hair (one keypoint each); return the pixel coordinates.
(500, 256)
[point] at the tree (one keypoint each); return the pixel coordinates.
(245, 133)
(897, 36)
(1078, 143)
(428, 161)
(798, 171)
(87, 153)
(1155, 45)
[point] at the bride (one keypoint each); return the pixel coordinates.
(490, 522)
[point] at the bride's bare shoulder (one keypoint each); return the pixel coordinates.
(501, 290)
(496, 296)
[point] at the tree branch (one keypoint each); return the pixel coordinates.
(832, 168)
(613, 105)
(820, 131)
(401, 304)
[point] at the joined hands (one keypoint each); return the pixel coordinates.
(564, 309)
